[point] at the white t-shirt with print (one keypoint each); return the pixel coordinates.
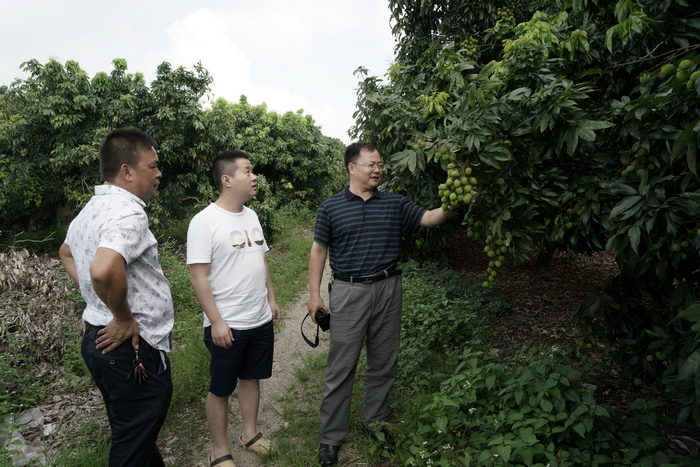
(234, 247)
(114, 218)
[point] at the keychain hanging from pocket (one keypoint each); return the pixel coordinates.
(138, 373)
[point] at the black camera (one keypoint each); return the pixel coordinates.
(323, 319)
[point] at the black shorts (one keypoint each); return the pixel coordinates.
(250, 357)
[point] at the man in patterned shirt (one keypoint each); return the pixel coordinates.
(362, 227)
(113, 256)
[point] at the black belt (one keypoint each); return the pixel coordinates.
(380, 276)
(92, 329)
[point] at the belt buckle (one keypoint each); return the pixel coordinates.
(367, 280)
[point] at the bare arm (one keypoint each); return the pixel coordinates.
(68, 262)
(108, 275)
(433, 218)
(317, 261)
(271, 299)
(221, 333)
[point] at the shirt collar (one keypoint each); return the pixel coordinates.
(102, 190)
(350, 195)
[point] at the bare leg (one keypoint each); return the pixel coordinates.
(217, 417)
(249, 400)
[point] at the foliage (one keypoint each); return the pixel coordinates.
(51, 125)
(441, 314)
(531, 409)
(580, 121)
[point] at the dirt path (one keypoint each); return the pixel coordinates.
(290, 349)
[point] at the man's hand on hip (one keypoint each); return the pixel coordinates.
(116, 332)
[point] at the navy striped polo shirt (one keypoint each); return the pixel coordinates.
(364, 236)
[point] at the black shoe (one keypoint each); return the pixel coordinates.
(388, 439)
(328, 454)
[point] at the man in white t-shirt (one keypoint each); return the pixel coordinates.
(231, 279)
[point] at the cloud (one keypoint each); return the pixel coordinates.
(202, 37)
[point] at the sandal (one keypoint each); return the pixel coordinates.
(223, 461)
(258, 444)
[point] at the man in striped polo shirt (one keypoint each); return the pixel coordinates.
(362, 227)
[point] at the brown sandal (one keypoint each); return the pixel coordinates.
(258, 444)
(223, 461)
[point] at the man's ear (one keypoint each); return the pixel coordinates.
(125, 171)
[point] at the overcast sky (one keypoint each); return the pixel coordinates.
(289, 54)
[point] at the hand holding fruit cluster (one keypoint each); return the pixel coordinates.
(458, 188)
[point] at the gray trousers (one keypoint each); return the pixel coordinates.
(360, 312)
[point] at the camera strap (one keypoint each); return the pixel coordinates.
(312, 344)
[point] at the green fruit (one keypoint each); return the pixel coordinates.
(450, 166)
(676, 247)
(453, 196)
(498, 264)
(682, 75)
(459, 190)
(642, 152)
(569, 225)
(644, 79)
(442, 186)
(579, 355)
(491, 254)
(471, 221)
(472, 181)
(457, 183)
(694, 75)
(658, 354)
(487, 249)
(486, 284)
(504, 249)
(650, 358)
(491, 264)
(684, 244)
(685, 64)
(467, 198)
(501, 258)
(468, 171)
(584, 357)
(638, 381)
(419, 242)
(589, 346)
(640, 172)
(668, 69)
(500, 181)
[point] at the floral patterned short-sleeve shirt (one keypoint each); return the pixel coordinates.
(115, 218)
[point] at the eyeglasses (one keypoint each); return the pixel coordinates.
(372, 165)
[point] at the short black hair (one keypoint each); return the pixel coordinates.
(122, 146)
(352, 152)
(225, 164)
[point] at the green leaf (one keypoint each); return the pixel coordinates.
(690, 366)
(625, 204)
(546, 405)
(580, 429)
(634, 235)
(504, 452)
(691, 314)
(681, 142)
